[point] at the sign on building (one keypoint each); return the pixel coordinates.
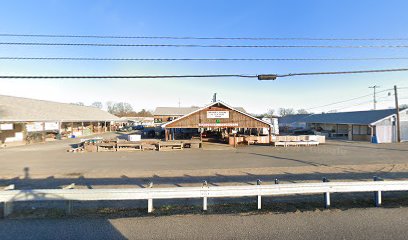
(51, 126)
(217, 114)
(34, 127)
(218, 124)
(6, 126)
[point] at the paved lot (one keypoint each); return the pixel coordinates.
(49, 165)
(334, 224)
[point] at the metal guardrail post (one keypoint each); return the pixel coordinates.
(326, 195)
(150, 200)
(205, 193)
(8, 206)
(259, 183)
(377, 194)
(69, 204)
(8, 209)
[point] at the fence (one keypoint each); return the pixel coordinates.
(204, 192)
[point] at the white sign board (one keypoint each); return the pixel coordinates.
(6, 126)
(51, 126)
(218, 124)
(34, 127)
(217, 114)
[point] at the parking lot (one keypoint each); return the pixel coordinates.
(49, 165)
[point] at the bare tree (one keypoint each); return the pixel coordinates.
(144, 113)
(78, 103)
(270, 113)
(97, 105)
(109, 106)
(286, 111)
(119, 109)
(302, 111)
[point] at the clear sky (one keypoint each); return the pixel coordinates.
(209, 18)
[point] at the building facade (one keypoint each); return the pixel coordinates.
(376, 125)
(24, 120)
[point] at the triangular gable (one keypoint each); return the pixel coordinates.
(211, 105)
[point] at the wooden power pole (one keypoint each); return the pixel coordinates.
(398, 114)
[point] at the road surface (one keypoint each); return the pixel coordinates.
(372, 223)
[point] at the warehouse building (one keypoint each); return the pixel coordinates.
(376, 125)
(24, 120)
(220, 122)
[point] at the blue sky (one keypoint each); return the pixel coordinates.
(326, 19)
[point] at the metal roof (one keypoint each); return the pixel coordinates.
(290, 119)
(180, 111)
(212, 104)
(173, 111)
(357, 118)
(17, 109)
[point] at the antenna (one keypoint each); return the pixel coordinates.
(214, 97)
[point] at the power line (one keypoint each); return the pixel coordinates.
(201, 59)
(132, 76)
(274, 76)
(345, 72)
(195, 45)
(348, 100)
(199, 38)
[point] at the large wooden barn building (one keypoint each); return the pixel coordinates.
(221, 121)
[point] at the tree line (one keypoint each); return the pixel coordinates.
(119, 109)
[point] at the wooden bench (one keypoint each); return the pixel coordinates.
(106, 147)
(170, 146)
(129, 146)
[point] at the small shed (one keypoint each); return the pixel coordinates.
(221, 118)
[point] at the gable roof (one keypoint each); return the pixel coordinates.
(18, 109)
(212, 104)
(173, 111)
(357, 118)
(180, 111)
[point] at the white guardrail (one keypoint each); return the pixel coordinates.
(204, 192)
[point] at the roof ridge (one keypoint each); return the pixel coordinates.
(49, 101)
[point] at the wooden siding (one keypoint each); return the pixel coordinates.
(200, 120)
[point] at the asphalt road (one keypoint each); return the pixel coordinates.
(372, 223)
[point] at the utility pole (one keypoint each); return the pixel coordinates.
(398, 114)
(375, 95)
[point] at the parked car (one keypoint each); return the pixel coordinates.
(304, 132)
(138, 127)
(125, 129)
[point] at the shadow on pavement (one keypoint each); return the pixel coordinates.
(186, 180)
(40, 229)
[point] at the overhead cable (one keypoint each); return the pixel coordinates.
(200, 59)
(202, 38)
(193, 45)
